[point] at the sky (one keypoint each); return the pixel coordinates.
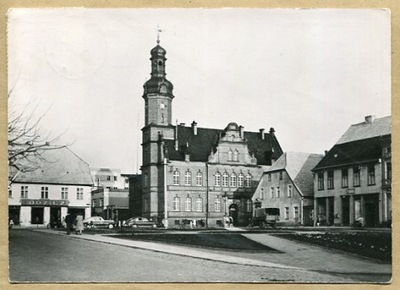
(308, 73)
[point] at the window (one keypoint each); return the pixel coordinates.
(240, 180)
(177, 203)
(176, 177)
(79, 193)
(289, 190)
(296, 212)
(199, 178)
(269, 176)
(64, 192)
(9, 192)
(248, 180)
(188, 178)
(248, 205)
(45, 192)
(278, 192)
(371, 174)
(199, 204)
(108, 177)
(271, 191)
(225, 179)
(389, 170)
(236, 156)
(230, 155)
(233, 180)
(356, 176)
(321, 181)
(261, 193)
(24, 191)
(101, 202)
(286, 213)
(188, 204)
(345, 178)
(218, 205)
(330, 180)
(280, 175)
(217, 179)
(115, 178)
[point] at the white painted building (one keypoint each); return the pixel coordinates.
(62, 183)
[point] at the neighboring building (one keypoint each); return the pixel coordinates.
(353, 180)
(61, 184)
(288, 185)
(135, 194)
(109, 178)
(111, 203)
(110, 194)
(192, 173)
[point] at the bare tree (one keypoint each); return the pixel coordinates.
(27, 141)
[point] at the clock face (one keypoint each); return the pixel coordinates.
(162, 106)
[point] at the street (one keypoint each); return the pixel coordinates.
(37, 256)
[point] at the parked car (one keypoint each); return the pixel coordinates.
(98, 221)
(266, 217)
(137, 222)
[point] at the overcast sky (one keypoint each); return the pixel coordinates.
(309, 74)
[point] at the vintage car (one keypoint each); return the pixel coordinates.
(141, 222)
(98, 222)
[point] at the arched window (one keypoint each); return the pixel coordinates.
(188, 178)
(230, 155)
(188, 204)
(248, 180)
(217, 179)
(177, 203)
(218, 205)
(225, 178)
(241, 180)
(236, 156)
(233, 180)
(199, 204)
(176, 177)
(199, 178)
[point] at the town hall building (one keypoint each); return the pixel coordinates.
(194, 174)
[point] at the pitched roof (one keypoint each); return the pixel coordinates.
(298, 165)
(365, 130)
(206, 140)
(352, 153)
(59, 166)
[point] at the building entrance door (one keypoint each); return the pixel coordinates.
(37, 215)
(371, 205)
(233, 212)
(345, 210)
(55, 217)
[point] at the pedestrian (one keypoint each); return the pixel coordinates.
(69, 221)
(79, 224)
(230, 221)
(10, 224)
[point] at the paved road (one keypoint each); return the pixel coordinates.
(43, 257)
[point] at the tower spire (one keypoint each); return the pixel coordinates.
(158, 33)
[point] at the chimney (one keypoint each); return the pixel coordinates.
(326, 152)
(262, 133)
(241, 132)
(272, 131)
(194, 127)
(369, 119)
(176, 136)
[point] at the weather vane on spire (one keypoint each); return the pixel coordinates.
(158, 33)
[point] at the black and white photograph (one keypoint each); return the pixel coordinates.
(225, 145)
